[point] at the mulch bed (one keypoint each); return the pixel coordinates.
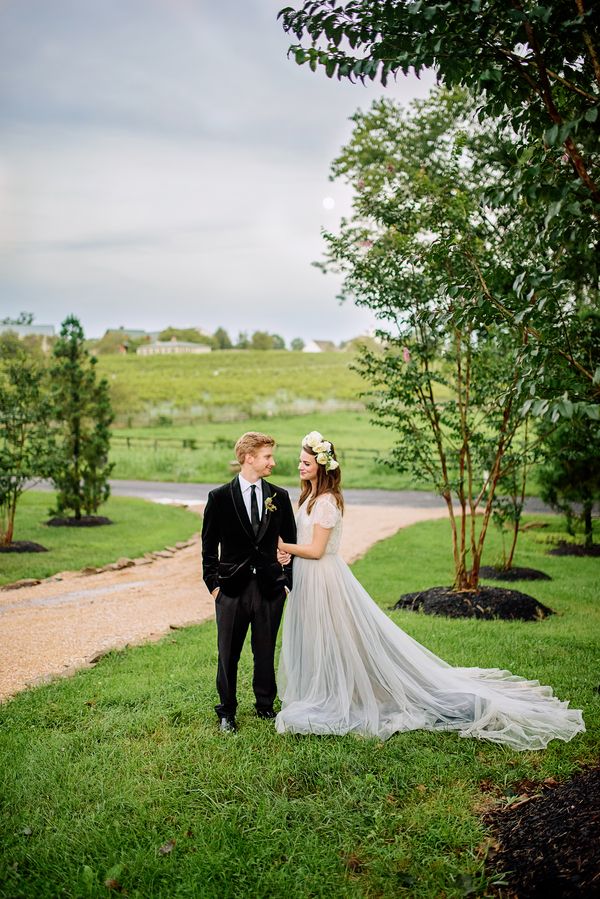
(513, 574)
(86, 521)
(486, 602)
(549, 845)
(23, 546)
(574, 549)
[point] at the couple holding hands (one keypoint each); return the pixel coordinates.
(344, 666)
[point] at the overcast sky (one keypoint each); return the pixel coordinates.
(163, 163)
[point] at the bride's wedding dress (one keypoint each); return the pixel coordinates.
(345, 667)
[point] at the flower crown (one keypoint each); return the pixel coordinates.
(322, 449)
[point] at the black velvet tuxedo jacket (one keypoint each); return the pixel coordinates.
(231, 552)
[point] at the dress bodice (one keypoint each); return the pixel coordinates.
(326, 513)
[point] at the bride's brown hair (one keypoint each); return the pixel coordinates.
(327, 482)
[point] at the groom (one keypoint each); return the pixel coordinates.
(242, 523)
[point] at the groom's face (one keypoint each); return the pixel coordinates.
(262, 461)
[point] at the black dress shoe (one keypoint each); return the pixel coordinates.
(266, 714)
(228, 726)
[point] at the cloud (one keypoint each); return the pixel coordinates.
(163, 162)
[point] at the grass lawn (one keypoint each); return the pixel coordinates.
(158, 453)
(138, 527)
(102, 771)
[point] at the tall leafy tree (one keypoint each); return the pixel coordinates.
(423, 251)
(534, 69)
(26, 445)
(82, 416)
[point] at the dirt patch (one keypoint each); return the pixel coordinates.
(86, 521)
(574, 549)
(513, 574)
(23, 546)
(547, 843)
(65, 622)
(486, 603)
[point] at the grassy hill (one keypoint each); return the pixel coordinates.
(229, 385)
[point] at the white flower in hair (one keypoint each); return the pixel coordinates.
(312, 439)
(322, 449)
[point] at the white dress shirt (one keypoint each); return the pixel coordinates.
(247, 493)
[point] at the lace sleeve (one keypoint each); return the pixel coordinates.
(325, 512)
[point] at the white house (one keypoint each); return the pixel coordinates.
(166, 347)
(319, 346)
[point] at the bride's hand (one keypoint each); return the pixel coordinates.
(282, 557)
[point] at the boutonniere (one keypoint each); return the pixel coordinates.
(270, 505)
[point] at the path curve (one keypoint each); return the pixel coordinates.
(67, 621)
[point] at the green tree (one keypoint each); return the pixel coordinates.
(297, 344)
(82, 415)
(191, 335)
(23, 318)
(570, 475)
(534, 70)
(222, 340)
(243, 341)
(422, 251)
(277, 342)
(26, 445)
(262, 340)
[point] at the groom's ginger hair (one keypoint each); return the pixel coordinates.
(251, 442)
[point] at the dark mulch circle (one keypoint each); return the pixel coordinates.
(549, 845)
(487, 603)
(86, 521)
(513, 574)
(574, 549)
(23, 546)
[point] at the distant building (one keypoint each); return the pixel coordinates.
(319, 346)
(166, 347)
(43, 331)
(131, 333)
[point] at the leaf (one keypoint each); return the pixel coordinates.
(590, 115)
(551, 135)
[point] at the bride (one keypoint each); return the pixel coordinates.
(345, 667)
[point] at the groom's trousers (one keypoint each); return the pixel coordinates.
(235, 614)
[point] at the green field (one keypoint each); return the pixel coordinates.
(229, 385)
(164, 453)
(138, 527)
(118, 776)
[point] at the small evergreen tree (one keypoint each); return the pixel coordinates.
(25, 441)
(82, 416)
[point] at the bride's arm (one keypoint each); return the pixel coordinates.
(314, 550)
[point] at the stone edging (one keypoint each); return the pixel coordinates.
(167, 553)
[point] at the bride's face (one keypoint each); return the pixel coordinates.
(307, 467)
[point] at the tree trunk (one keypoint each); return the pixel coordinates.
(508, 562)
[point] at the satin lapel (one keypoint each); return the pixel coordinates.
(240, 508)
(264, 521)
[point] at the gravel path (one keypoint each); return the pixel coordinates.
(66, 622)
